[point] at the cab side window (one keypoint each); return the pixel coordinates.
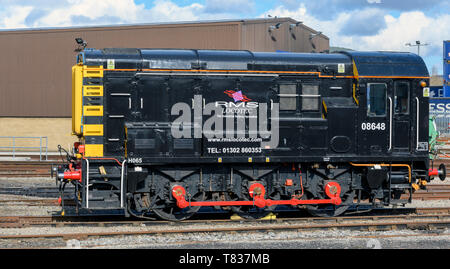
(401, 97)
(376, 99)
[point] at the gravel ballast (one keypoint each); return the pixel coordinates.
(329, 238)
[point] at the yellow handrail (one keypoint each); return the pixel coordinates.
(383, 164)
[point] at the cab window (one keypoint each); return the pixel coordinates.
(401, 98)
(376, 99)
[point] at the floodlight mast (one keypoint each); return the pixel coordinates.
(418, 44)
(81, 43)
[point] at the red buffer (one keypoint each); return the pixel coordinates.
(440, 172)
(73, 175)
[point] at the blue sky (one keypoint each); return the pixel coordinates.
(356, 24)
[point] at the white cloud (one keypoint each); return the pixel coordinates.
(124, 10)
(169, 11)
(408, 27)
(88, 12)
(14, 16)
(64, 13)
(365, 22)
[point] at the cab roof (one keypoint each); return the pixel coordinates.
(388, 64)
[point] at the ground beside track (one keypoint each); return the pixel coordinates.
(336, 239)
(330, 239)
(285, 240)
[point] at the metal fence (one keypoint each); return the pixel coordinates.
(12, 149)
(440, 111)
(442, 125)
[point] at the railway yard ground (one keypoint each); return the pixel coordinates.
(30, 218)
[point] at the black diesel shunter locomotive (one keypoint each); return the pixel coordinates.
(167, 132)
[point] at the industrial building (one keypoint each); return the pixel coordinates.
(35, 70)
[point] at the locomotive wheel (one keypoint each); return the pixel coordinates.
(332, 210)
(173, 213)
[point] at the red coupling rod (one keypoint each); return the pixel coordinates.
(257, 192)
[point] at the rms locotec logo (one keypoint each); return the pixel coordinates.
(237, 96)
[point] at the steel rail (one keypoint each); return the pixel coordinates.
(254, 227)
(59, 221)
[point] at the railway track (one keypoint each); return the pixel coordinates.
(425, 221)
(30, 202)
(432, 192)
(48, 192)
(59, 221)
(14, 169)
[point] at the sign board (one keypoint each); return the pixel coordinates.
(440, 107)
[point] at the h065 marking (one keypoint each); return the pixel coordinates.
(135, 160)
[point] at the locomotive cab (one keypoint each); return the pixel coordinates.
(393, 109)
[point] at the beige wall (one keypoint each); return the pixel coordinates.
(436, 80)
(58, 131)
(256, 37)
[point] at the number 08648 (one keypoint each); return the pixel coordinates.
(372, 126)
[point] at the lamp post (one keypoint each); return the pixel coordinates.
(418, 44)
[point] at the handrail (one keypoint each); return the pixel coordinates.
(87, 183)
(383, 164)
(390, 123)
(417, 124)
(14, 147)
(122, 183)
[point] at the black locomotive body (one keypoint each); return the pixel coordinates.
(167, 132)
